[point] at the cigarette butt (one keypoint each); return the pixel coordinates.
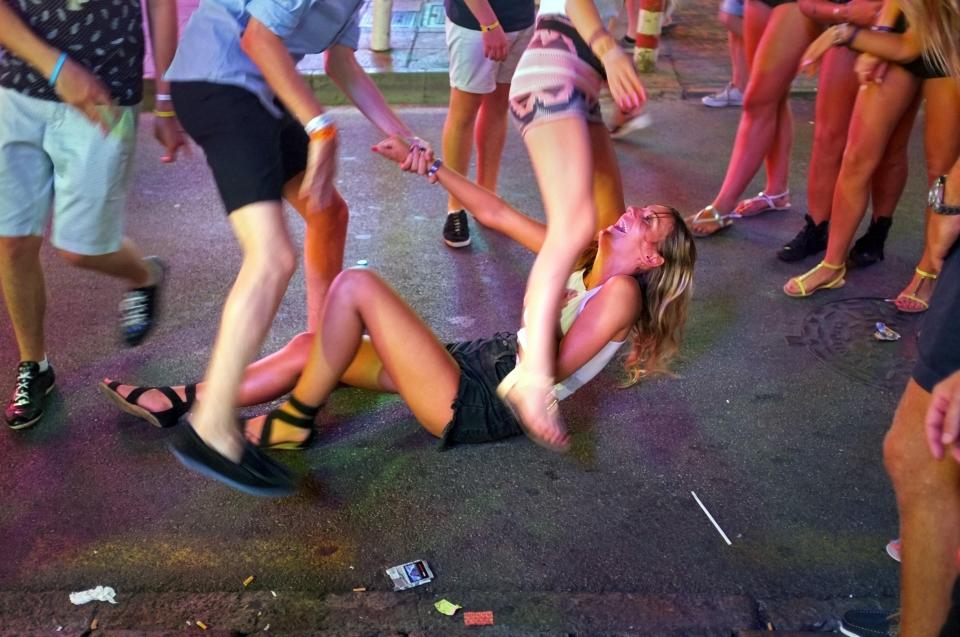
(248, 581)
(274, 593)
(360, 589)
(94, 623)
(201, 625)
(770, 626)
(266, 628)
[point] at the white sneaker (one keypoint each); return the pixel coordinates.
(729, 96)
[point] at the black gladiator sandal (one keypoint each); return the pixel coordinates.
(869, 248)
(303, 422)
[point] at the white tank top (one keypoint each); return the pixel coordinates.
(577, 298)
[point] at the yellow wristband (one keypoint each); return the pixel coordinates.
(489, 27)
(164, 113)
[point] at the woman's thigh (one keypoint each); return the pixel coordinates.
(786, 36)
(942, 124)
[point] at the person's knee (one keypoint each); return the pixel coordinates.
(353, 283)
(911, 467)
(77, 260)
(302, 342)
(463, 106)
(274, 260)
(761, 98)
(14, 251)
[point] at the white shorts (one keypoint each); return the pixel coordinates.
(470, 71)
(53, 159)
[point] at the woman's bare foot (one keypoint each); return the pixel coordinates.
(535, 407)
(160, 406)
(281, 434)
(763, 203)
(915, 297)
(822, 276)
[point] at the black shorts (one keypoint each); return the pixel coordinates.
(939, 343)
(921, 67)
(478, 413)
(252, 153)
(773, 4)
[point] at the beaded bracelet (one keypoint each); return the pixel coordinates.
(434, 167)
(489, 27)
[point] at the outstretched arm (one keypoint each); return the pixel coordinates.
(486, 207)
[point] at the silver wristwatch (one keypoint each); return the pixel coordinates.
(935, 198)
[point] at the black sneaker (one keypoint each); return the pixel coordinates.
(456, 231)
(870, 623)
(139, 306)
(26, 405)
(810, 240)
(869, 248)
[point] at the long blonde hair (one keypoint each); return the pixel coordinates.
(666, 290)
(937, 24)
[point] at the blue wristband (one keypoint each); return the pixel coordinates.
(57, 68)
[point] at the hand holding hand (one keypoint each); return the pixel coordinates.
(943, 418)
(81, 89)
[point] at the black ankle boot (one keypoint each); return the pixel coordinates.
(810, 240)
(869, 248)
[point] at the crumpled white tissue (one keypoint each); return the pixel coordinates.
(98, 594)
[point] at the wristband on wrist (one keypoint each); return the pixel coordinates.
(57, 68)
(490, 27)
(319, 123)
(323, 134)
(162, 97)
(881, 27)
(158, 113)
(434, 167)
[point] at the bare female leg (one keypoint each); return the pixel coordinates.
(566, 185)
(877, 112)
(942, 146)
(774, 39)
(403, 355)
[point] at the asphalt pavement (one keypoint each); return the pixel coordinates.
(775, 419)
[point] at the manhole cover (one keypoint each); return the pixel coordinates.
(841, 335)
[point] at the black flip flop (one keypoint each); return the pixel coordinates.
(255, 474)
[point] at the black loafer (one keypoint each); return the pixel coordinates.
(256, 474)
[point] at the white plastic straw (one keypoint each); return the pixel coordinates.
(710, 517)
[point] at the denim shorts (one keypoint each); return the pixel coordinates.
(939, 342)
(52, 159)
(478, 413)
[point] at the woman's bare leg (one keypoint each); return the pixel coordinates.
(942, 144)
(836, 94)
(763, 133)
(890, 177)
(878, 110)
(417, 364)
(566, 186)
(607, 181)
(774, 39)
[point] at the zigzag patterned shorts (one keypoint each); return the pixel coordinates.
(557, 77)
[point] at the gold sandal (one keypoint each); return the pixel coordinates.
(912, 294)
(519, 379)
(833, 284)
(706, 216)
